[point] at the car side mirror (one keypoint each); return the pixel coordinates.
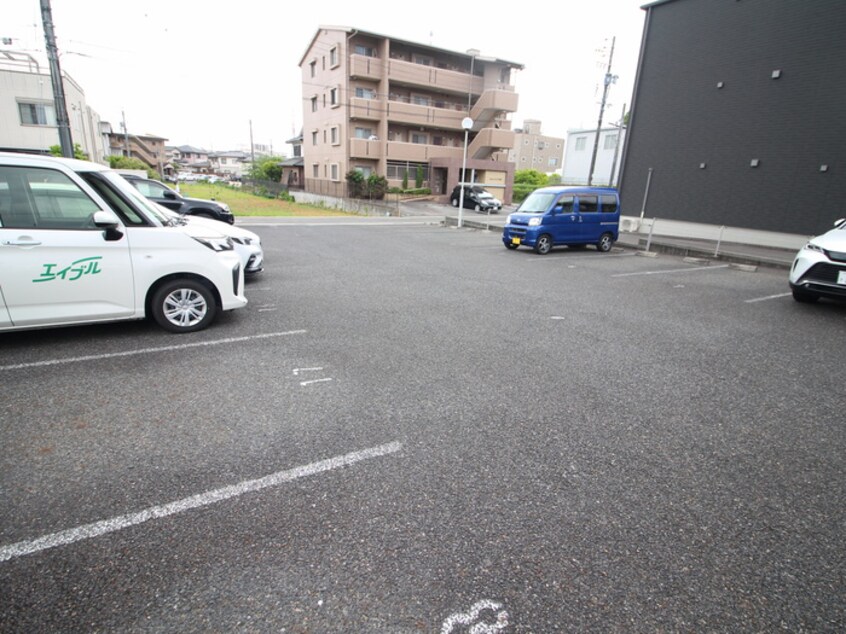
(110, 223)
(170, 195)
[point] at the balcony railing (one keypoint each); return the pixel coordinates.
(408, 73)
(489, 141)
(364, 67)
(373, 109)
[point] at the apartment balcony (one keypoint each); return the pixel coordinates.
(420, 153)
(365, 149)
(489, 141)
(432, 78)
(489, 106)
(427, 116)
(364, 67)
(370, 109)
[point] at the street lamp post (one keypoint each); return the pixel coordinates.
(466, 123)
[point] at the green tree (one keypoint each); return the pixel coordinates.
(404, 180)
(56, 150)
(267, 168)
(418, 177)
(131, 163)
(376, 186)
(530, 177)
(355, 180)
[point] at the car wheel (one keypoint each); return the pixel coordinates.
(454, 202)
(510, 245)
(606, 241)
(183, 305)
(477, 208)
(543, 244)
(804, 297)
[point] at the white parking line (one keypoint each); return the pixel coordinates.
(96, 529)
(763, 299)
(130, 353)
(684, 270)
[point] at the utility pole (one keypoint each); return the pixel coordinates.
(609, 79)
(125, 134)
(617, 147)
(62, 120)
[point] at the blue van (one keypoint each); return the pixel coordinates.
(574, 216)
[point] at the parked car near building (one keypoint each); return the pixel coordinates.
(165, 196)
(819, 268)
(79, 245)
(477, 198)
(572, 216)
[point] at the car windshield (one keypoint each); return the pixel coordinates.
(152, 209)
(537, 203)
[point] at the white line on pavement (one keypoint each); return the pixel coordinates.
(685, 270)
(129, 353)
(96, 529)
(763, 299)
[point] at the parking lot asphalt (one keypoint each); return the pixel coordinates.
(759, 254)
(412, 429)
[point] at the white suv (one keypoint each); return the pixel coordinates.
(79, 245)
(819, 269)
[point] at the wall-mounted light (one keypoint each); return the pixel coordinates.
(754, 163)
(720, 84)
(776, 74)
(702, 166)
(823, 168)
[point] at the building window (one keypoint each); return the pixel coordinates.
(437, 140)
(313, 67)
(396, 171)
(363, 133)
(335, 170)
(419, 100)
(364, 170)
(365, 93)
(581, 143)
(364, 50)
(37, 114)
(315, 170)
(419, 138)
(333, 97)
(425, 61)
(314, 137)
(610, 142)
(333, 57)
(314, 104)
(335, 134)
(553, 162)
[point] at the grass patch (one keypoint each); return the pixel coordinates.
(245, 204)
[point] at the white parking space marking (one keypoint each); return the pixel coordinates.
(685, 270)
(96, 529)
(305, 383)
(130, 353)
(569, 256)
(473, 618)
(768, 297)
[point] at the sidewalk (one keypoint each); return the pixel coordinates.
(749, 254)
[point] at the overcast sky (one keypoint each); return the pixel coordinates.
(198, 74)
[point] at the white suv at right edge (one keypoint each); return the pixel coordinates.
(819, 269)
(80, 245)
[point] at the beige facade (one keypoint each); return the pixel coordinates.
(388, 107)
(150, 149)
(533, 150)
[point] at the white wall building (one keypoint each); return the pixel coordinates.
(579, 149)
(28, 121)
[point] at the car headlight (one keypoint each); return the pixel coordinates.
(225, 207)
(814, 247)
(534, 222)
(508, 220)
(216, 244)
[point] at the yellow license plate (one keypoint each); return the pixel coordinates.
(515, 241)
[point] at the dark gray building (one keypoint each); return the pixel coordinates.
(739, 111)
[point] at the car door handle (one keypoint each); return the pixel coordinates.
(21, 243)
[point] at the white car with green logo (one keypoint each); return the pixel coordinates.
(79, 245)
